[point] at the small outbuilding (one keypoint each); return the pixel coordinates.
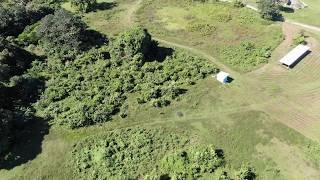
(295, 55)
(223, 77)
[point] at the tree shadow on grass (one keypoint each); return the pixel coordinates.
(158, 53)
(104, 6)
(286, 9)
(27, 144)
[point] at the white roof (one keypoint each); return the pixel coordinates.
(222, 76)
(294, 55)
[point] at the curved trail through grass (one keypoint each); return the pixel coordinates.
(200, 53)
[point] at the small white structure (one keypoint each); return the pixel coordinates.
(294, 55)
(223, 77)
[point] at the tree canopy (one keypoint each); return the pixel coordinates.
(269, 9)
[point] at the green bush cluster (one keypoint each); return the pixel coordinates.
(204, 28)
(192, 163)
(83, 5)
(300, 38)
(245, 56)
(94, 87)
(269, 10)
(123, 153)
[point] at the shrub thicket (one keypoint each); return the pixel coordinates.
(123, 153)
(94, 86)
(245, 56)
(192, 163)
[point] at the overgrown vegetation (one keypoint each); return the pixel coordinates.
(123, 153)
(140, 153)
(93, 87)
(245, 56)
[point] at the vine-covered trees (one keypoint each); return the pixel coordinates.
(83, 5)
(269, 9)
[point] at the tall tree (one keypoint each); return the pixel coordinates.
(269, 9)
(62, 34)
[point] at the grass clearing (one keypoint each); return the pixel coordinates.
(309, 15)
(217, 28)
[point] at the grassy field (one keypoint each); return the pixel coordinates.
(260, 119)
(309, 15)
(220, 29)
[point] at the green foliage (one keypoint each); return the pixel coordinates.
(130, 43)
(83, 5)
(92, 88)
(29, 35)
(245, 56)
(191, 164)
(300, 38)
(246, 173)
(269, 9)
(123, 153)
(62, 34)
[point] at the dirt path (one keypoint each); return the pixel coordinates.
(130, 17)
(200, 53)
(305, 26)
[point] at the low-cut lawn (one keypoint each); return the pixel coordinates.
(236, 36)
(309, 15)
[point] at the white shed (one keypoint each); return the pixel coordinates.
(294, 55)
(223, 77)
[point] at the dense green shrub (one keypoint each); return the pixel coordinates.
(192, 163)
(246, 173)
(93, 87)
(130, 43)
(83, 5)
(269, 9)
(245, 56)
(300, 38)
(123, 153)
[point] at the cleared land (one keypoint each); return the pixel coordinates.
(262, 118)
(238, 37)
